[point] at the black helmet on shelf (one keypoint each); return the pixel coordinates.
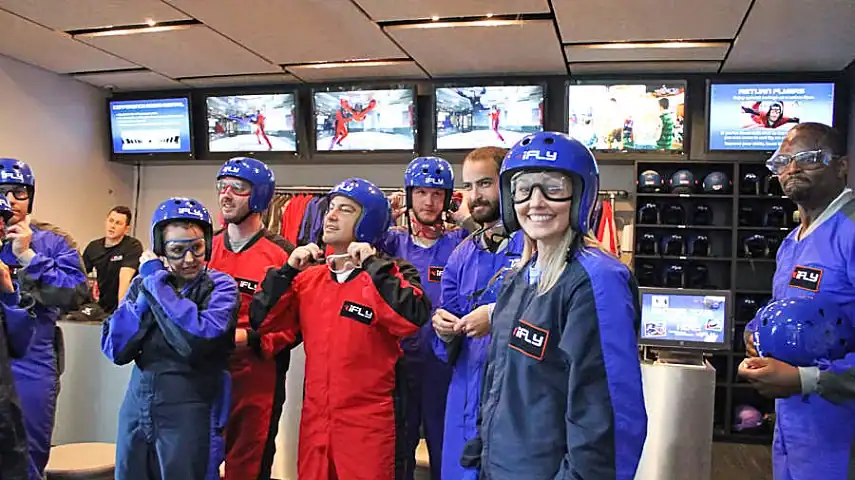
(772, 186)
(673, 245)
(750, 184)
(746, 309)
(650, 181)
(682, 181)
(648, 214)
(702, 215)
(673, 214)
(716, 182)
(646, 274)
(776, 216)
(674, 276)
(700, 246)
(648, 245)
(748, 216)
(755, 246)
(773, 242)
(699, 277)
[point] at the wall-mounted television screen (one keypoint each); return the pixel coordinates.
(251, 123)
(472, 117)
(757, 116)
(618, 117)
(365, 119)
(150, 126)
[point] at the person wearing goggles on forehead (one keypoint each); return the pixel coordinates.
(562, 395)
(46, 264)
(471, 278)
(352, 310)
(813, 404)
(245, 250)
(176, 324)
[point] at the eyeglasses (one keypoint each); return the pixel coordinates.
(778, 162)
(177, 249)
(18, 191)
(553, 186)
(238, 187)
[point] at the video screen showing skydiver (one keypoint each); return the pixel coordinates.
(473, 117)
(683, 317)
(365, 120)
(252, 123)
(628, 117)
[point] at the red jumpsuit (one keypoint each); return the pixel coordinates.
(258, 373)
(351, 427)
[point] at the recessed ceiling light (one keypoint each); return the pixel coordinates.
(150, 22)
(489, 15)
(434, 18)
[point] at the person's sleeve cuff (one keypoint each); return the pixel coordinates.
(809, 377)
(491, 307)
(27, 257)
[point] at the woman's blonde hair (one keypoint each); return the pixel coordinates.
(552, 262)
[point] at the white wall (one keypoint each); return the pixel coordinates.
(59, 127)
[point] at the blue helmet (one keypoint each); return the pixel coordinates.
(180, 208)
(802, 331)
(376, 215)
(650, 181)
(682, 181)
(258, 174)
(716, 182)
(5, 209)
(16, 172)
(557, 152)
(429, 172)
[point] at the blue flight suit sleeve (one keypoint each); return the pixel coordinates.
(190, 329)
(55, 277)
(450, 301)
(388, 243)
(19, 322)
(123, 332)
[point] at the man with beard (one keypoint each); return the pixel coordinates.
(428, 184)
(471, 278)
(246, 250)
(814, 428)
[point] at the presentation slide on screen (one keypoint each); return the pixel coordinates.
(758, 117)
(689, 318)
(627, 117)
(150, 126)
(252, 123)
(365, 120)
(473, 117)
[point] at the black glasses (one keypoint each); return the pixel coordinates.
(553, 186)
(18, 191)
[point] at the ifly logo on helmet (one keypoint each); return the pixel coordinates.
(431, 180)
(231, 169)
(11, 175)
(546, 155)
(193, 212)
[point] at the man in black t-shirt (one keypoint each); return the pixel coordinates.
(114, 257)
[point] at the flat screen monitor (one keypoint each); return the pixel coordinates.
(628, 117)
(251, 123)
(757, 116)
(150, 126)
(473, 117)
(365, 120)
(685, 319)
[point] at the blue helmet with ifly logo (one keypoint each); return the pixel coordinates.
(558, 152)
(6, 211)
(180, 209)
(16, 172)
(376, 215)
(257, 174)
(803, 331)
(429, 172)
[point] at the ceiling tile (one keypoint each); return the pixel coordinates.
(596, 68)
(68, 15)
(133, 80)
(296, 31)
(526, 47)
(612, 52)
(648, 20)
(390, 10)
(186, 51)
(822, 37)
(403, 69)
(52, 50)
(239, 80)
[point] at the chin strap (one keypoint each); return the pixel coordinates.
(430, 232)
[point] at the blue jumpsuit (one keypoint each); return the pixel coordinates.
(54, 278)
(562, 396)
(813, 436)
(427, 376)
(466, 284)
(176, 406)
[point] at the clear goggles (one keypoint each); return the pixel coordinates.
(177, 249)
(238, 187)
(555, 186)
(778, 162)
(340, 263)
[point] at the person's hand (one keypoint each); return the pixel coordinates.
(461, 213)
(360, 251)
(750, 349)
(6, 285)
(240, 338)
(21, 235)
(444, 323)
(772, 378)
(305, 256)
(148, 255)
(476, 323)
(399, 204)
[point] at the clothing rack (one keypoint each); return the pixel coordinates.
(613, 195)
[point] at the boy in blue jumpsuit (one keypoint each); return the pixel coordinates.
(177, 325)
(562, 395)
(46, 264)
(16, 330)
(813, 434)
(429, 184)
(470, 280)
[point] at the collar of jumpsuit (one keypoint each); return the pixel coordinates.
(845, 197)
